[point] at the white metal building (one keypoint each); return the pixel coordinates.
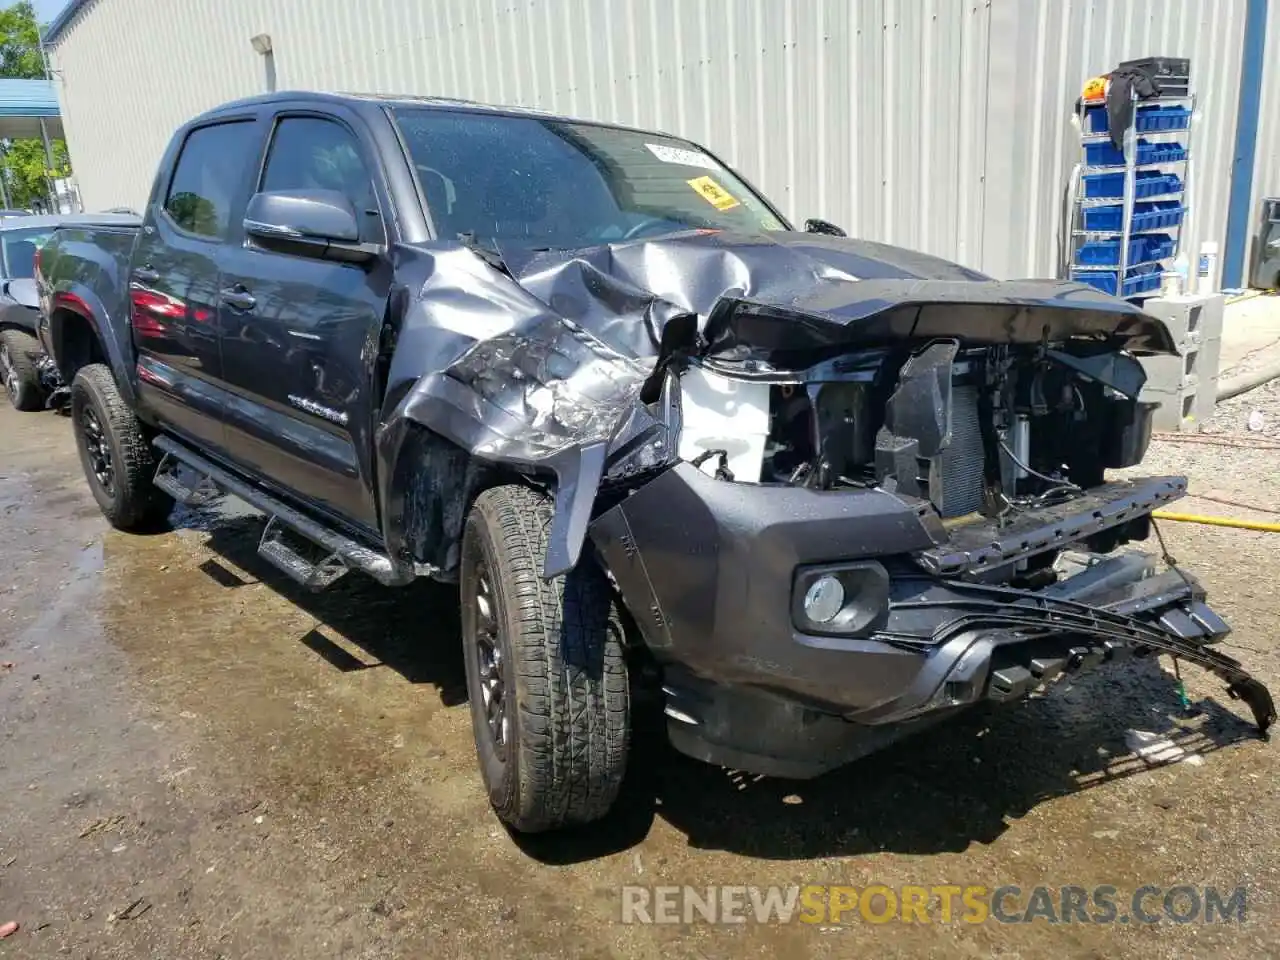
(942, 125)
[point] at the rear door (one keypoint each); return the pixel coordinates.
(173, 284)
(300, 332)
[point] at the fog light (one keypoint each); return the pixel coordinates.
(824, 599)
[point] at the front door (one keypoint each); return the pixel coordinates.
(173, 287)
(300, 333)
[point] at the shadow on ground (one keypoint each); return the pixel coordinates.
(946, 788)
(388, 625)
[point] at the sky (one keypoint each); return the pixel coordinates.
(46, 10)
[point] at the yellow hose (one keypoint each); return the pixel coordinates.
(1217, 521)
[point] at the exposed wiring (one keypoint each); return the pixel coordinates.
(1173, 565)
(722, 469)
(1168, 557)
(1064, 491)
(1057, 481)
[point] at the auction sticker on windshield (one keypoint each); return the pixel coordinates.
(690, 158)
(713, 193)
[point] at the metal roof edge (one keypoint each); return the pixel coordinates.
(60, 23)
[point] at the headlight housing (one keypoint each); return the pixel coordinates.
(648, 438)
(840, 599)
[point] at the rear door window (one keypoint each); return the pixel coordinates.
(208, 178)
(20, 248)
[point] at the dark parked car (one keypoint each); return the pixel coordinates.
(830, 491)
(30, 379)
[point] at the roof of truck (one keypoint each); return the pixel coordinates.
(65, 220)
(379, 100)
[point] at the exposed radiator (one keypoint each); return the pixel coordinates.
(961, 476)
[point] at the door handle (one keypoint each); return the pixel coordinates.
(238, 297)
(146, 275)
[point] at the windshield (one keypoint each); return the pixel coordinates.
(553, 183)
(20, 251)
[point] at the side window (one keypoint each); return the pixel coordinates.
(311, 153)
(208, 176)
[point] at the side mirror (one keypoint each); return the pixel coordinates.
(825, 227)
(316, 223)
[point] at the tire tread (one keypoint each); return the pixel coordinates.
(572, 696)
(139, 503)
(22, 348)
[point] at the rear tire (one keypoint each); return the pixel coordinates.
(550, 703)
(117, 459)
(18, 353)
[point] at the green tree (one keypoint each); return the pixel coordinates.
(20, 43)
(23, 163)
(26, 171)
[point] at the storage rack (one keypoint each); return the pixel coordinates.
(1129, 205)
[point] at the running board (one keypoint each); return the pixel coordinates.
(340, 553)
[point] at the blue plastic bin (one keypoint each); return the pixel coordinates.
(1142, 248)
(1107, 155)
(1146, 183)
(1147, 215)
(1163, 118)
(1138, 280)
(1098, 219)
(1162, 215)
(1155, 117)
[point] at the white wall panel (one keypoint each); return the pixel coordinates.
(1266, 167)
(941, 125)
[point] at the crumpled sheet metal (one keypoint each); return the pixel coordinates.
(533, 370)
(522, 384)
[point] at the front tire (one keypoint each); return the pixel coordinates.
(117, 459)
(546, 677)
(18, 352)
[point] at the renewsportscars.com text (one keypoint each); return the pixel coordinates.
(832, 905)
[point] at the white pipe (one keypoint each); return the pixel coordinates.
(1248, 381)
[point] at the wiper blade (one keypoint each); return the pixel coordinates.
(488, 254)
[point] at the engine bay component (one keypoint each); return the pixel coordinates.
(722, 414)
(981, 434)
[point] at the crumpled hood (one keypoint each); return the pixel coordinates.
(796, 291)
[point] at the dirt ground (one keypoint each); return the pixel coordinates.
(199, 761)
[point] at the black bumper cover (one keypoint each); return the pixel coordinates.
(707, 569)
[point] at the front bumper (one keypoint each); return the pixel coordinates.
(707, 569)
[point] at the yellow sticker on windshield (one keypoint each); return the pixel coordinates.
(713, 193)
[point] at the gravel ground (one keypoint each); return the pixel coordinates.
(1232, 416)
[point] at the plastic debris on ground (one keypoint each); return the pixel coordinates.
(1152, 747)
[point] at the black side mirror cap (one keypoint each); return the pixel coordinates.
(316, 223)
(825, 227)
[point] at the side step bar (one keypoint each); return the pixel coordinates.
(341, 552)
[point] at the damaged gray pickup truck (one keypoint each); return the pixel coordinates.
(828, 491)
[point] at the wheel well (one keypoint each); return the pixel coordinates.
(76, 344)
(438, 481)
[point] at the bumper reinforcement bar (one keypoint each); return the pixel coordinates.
(1032, 615)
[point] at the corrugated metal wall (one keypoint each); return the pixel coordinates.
(1053, 46)
(941, 125)
(1266, 167)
